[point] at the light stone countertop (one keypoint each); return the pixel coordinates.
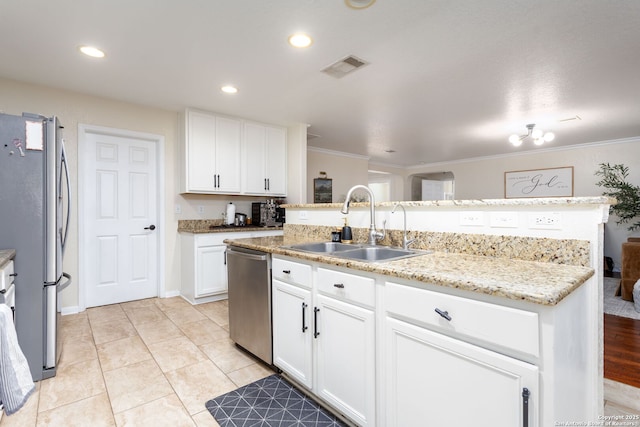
(537, 282)
(6, 255)
(595, 200)
(199, 226)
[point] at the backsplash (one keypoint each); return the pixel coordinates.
(557, 251)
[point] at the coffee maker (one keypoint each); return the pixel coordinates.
(267, 214)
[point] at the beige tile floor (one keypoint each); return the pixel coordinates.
(153, 362)
(156, 362)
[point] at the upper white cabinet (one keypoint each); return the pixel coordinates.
(264, 160)
(211, 153)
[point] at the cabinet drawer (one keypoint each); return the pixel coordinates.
(347, 286)
(292, 272)
(507, 327)
(7, 276)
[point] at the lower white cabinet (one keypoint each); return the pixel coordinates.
(345, 357)
(204, 264)
(292, 337)
(433, 379)
(324, 335)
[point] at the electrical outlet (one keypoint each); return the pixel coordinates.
(200, 209)
(178, 209)
(303, 215)
(504, 219)
(472, 218)
(546, 220)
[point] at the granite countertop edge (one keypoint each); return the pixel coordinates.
(6, 255)
(535, 282)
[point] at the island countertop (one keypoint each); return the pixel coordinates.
(6, 255)
(536, 282)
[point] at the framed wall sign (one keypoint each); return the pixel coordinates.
(552, 182)
(322, 190)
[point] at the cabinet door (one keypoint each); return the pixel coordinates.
(211, 270)
(200, 152)
(254, 159)
(436, 380)
(228, 155)
(345, 358)
(292, 331)
(276, 165)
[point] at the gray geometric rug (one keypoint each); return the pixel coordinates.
(269, 402)
(616, 305)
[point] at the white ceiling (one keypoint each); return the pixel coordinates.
(447, 80)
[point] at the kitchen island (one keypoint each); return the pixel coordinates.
(505, 320)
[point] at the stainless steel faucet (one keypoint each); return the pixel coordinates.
(374, 235)
(405, 242)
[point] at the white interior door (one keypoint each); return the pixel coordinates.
(120, 237)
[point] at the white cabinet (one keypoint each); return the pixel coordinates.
(204, 264)
(211, 153)
(436, 376)
(264, 160)
(292, 337)
(436, 380)
(324, 335)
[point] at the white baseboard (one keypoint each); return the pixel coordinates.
(171, 294)
(70, 310)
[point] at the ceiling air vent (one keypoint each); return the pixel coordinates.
(344, 66)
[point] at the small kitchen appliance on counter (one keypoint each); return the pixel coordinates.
(267, 214)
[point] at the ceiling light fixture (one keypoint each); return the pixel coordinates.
(91, 51)
(359, 4)
(229, 89)
(539, 137)
(300, 40)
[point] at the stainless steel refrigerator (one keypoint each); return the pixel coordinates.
(34, 220)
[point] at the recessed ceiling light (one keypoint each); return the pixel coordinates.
(229, 89)
(91, 51)
(300, 40)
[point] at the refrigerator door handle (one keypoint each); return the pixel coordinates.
(65, 165)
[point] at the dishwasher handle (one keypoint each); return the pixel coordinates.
(256, 257)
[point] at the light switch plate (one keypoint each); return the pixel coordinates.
(504, 219)
(472, 218)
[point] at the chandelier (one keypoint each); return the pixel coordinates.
(539, 137)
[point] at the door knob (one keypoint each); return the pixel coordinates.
(151, 227)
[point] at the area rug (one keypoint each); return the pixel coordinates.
(616, 305)
(269, 402)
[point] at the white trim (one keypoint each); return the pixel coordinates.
(337, 153)
(171, 294)
(83, 130)
(74, 309)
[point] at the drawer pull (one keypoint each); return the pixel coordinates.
(339, 285)
(304, 322)
(315, 322)
(13, 274)
(286, 271)
(444, 314)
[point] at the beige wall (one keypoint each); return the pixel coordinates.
(344, 169)
(484, 178)
(74, 109)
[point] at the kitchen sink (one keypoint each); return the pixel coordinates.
(376, 253)
(356, 252)
(322, 247)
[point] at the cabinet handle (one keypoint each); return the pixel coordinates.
(315, 322)
(215, 181)
(268, 184)
(444, 314)
(304, 323)
(265, 183)
(218, 181)
(525, 407)
(286, 271)
(13, 275)
(339, 285)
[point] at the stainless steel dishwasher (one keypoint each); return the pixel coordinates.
(250, 300)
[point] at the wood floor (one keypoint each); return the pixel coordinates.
(622, 349)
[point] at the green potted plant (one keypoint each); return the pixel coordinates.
(614, 181)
